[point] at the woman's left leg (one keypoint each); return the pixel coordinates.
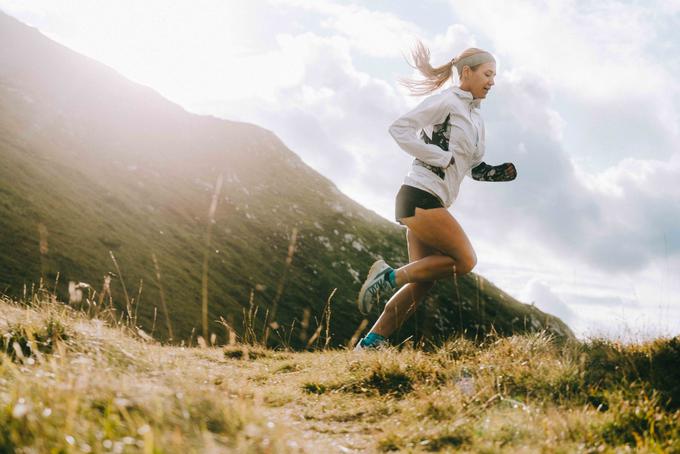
(406, 300)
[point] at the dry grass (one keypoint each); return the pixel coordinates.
(72, 384)
(99, 390)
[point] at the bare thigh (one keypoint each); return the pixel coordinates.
(436, 230)
(417, 250)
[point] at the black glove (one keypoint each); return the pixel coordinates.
(503, 172)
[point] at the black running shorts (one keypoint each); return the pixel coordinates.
(408, 198)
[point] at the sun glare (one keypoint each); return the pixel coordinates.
(185, 50)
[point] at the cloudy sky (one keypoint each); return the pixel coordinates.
(586, 104)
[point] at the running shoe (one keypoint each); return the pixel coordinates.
(371, 348)
(375, 287)
(368, 344)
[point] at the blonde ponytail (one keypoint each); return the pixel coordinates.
(437, 76)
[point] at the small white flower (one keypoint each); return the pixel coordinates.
(20, 409)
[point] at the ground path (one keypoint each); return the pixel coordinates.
(311, 423)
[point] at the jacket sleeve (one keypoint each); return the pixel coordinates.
(478, 159)
(405, 131)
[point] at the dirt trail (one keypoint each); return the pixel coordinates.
(320, 436)
(309, 422)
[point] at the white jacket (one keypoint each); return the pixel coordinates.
(449, 125)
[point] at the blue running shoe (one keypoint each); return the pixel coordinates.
(372, 341)
(377, 285)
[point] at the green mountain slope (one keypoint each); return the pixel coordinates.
(91, 162)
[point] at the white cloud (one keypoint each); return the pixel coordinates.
(618, 223)
(455, 39)
(598, 48)
(581, 84)
(336, 116)
(333, 115)
(615, 220)
(608, 62)
(374, 33)
(539, 293)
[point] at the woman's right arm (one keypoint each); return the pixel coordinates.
(405, 130)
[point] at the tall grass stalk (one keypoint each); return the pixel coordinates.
(325, 321)
(249, 317)
(128, 305)
(327, 314)
(208, 237)
(138, 300)
(231, 332)
(304, 324)
(153, 324)
(282, 282)
(56, 284)
(290, 335)
(106, 289)
(42, 232)
(460, 303)
(265, 327)
(168, 324)
(355, 337)
(478, 283)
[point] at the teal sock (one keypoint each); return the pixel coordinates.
(372, 340)
(392, 278)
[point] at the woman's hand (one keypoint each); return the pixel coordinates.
(508, 171)
(503, 172)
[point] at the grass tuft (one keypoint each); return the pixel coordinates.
(21, 340)
(388, 381)
(653, 363)
(315, 388)
(637, 419)
(245, 352)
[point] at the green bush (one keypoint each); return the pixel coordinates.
(656, 365)
(637, 419)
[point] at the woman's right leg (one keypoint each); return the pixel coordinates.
(403, 303)
(438, 229)
(430, 234)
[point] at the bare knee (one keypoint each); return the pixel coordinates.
(466, 264)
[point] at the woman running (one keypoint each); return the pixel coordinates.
(445, 135)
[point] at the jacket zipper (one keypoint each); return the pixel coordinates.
(474, 125)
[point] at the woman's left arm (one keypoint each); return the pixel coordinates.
(481, 171)
(503, 172)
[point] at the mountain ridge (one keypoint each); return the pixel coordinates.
(90, 168)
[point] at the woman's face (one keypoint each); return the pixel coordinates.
(480, 81)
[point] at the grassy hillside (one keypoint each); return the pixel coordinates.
(94, 167)
(71, 384)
